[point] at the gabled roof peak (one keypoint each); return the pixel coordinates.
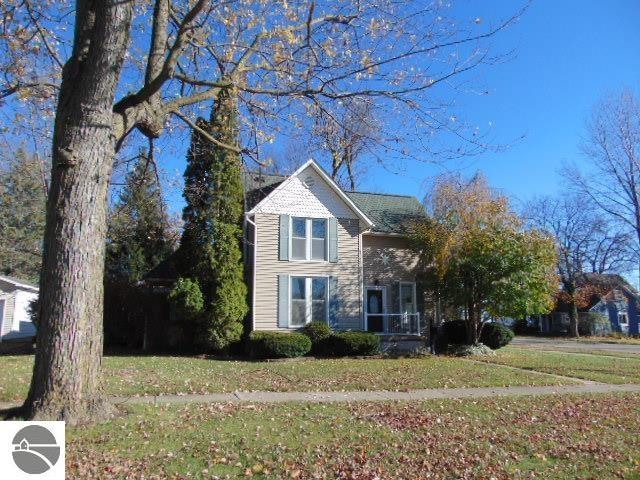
(328, 180)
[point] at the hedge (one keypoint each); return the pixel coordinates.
(345, 344)
(317, 332)
(496, 336)
(278, 344)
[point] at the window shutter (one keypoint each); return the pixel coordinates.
(334, 302)
(284, 237)
(283, 301)
(333, 240)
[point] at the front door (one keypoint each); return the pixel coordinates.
(375, 309)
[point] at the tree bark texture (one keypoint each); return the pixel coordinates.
(65, 383)
(573, 320)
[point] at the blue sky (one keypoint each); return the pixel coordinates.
(568, 55)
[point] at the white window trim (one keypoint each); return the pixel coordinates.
(308, 239)
(415, 298)
(626, 316)
(308, 299)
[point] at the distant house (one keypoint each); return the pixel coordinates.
(613, 297)
(15, 297)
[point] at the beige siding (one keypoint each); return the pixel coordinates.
(268, 267)
(388, 260)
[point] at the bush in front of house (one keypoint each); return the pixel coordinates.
(346, 344)
(317, 332)
(278, 345)
(496, 336)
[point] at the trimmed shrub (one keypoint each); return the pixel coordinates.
(455, 332)
(495, 335)
(316, 331)
(278, 345)
(354, 344)
(470, 350)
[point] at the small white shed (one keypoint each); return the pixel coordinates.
(15, 297)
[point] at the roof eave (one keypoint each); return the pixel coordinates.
(328, 180)
(24, 286)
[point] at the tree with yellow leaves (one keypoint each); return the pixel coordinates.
(476, 256)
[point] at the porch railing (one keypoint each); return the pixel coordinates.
(395, 323)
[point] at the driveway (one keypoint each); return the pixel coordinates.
(560, 344)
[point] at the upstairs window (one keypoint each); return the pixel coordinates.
(308, 239)
(299, 238)
(318, 239)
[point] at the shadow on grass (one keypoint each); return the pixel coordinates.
(13, 413)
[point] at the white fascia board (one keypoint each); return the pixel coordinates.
(343, 196)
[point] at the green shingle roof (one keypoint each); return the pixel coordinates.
(258, 185)
(389, 213)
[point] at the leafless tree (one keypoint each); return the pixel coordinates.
(345, 135)
(279, 58)
(586, 242)
(612, 147)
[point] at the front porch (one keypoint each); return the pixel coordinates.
(394, 324)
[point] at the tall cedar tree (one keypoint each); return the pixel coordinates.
(138, 239)
(211, 241)
(22, 217)
(138, 236)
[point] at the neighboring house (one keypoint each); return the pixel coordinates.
(316, 252)
(613, 297)
(15, 297)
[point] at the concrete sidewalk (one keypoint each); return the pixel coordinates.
(383, 395)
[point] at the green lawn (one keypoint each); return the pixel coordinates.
(608, 369)
(129, 375)
(606, 353)
(623, 339)
(559, 437)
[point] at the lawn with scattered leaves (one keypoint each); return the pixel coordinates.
(622, 339)
(131, 375)
(606, 353)
(599, 368)
(559, 437)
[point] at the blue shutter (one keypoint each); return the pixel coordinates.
(334, 302)
(283, 301)
(333, 240)
(284, 237)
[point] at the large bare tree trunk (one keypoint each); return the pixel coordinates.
(65, 382)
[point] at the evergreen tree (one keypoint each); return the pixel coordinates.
(22, 216)
(211, 242)
(138, 237)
